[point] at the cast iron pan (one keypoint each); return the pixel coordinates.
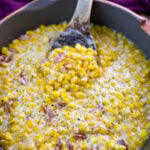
(134, 27)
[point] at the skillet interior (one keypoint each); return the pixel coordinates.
(48, 12)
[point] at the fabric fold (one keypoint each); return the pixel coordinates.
(139, 6)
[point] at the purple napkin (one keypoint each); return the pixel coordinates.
(139, 6)
(8, 6)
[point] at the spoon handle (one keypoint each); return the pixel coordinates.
(82, 13)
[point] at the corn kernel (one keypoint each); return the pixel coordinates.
(143, 134)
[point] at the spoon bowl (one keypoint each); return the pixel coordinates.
(78, 30)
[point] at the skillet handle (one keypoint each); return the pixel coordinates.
(145, 25)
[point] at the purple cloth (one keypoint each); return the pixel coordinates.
(139, 6)
(8, 6)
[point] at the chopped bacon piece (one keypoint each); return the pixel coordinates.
(122, 142)
(80, 136)
(23, 79)
(101, 108)
(69, 65)
(93, 148)
(59, 144)
(12, 50)
(24, 37)
(50, 112)
(48, 122)
(51, 40)
(44, 108)
(2, 57)
(69, 145)
(8, 105)
(59, 57)
(90, 148)
(62, 104)
(6, 59)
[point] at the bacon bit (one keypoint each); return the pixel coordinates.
(48, 122)
(5, 58)
(2, 57)
(23, 79)
(8, 105)
(8, 58)
(93, 148)
(59, 57)
(59, 144)
(50, 112)
(51, 40)
(12, 50)
(44, 108)
(101, 108)
(80, 136)
(69, 145)
(24, 37)
(68, 65)
(122, 142)
(62, 104)
(90, 148)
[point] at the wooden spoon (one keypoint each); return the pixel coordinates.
(78, 30)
